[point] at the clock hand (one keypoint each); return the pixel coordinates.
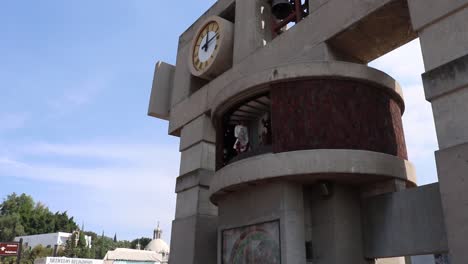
(205, 47)
(212, 38)
(206, 43)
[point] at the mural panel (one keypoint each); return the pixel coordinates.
(255, 244)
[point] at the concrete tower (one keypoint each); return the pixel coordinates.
(293, 149)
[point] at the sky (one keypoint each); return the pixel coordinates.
(75, 81)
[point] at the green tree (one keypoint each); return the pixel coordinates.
(144, 241)
(20, 215)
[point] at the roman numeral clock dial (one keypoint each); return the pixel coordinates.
(211, 52)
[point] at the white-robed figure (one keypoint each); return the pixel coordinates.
(241, 133)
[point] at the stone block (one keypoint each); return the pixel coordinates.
(200, 129)
(194, 201)
(397, 224)
(446, 79)
(199, 156)
(452, 168)
(426, 12)
(451, 118)
(195, 178)
(194, 240)
(445, 40)
(160, 100)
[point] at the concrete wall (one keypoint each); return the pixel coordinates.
(281, 201)
(333, 225)
(398, 224)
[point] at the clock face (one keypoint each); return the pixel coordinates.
(206, 45)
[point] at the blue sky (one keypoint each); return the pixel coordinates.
(75, 80)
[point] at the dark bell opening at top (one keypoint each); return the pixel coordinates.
(281, 9)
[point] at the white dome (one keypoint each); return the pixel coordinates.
(157, 245)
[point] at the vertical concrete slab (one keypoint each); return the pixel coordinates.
(445, 40)
(160, 99)
(182, 76)
(200, 129)
(425, 12)
(452, 168)
(194, 230)
(199, 156)
(252, 27)
(334, 226)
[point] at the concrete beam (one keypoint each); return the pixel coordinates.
(405, 223)
(350, 166)
(380, 32)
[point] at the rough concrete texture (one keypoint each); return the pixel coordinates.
(199, 156)
(446, 78)
(333, 225)
(200, 177)
(426, 12)
(377, 34)
(398, 224)
(194, 240)
(451, 118)
(313, 165)
(160, 98)
(281, 201)
(445, 40)
(252, 26)
(200, 129)
(229, 86)
(194, 201)
(295, 45)
(452, 168)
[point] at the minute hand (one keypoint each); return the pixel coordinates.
(205, 47)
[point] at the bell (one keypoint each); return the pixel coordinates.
(281, 9)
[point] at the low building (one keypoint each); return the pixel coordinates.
(63, 260)
(132, 256)
(50, 240)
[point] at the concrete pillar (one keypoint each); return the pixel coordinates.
(444, 41)
(333, 225)
(194, 230)
(252, 27)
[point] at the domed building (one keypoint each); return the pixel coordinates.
(159, 246)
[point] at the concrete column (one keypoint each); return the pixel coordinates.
(194, 229)
(444, 41)
(252, 27)
(333, 225)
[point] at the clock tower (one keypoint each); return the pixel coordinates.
(292, 148)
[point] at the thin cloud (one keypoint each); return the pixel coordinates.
(12, 121)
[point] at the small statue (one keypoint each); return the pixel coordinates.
(241, 133)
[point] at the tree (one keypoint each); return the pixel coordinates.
(20, 215)
(144, 241)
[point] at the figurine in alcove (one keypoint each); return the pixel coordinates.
(241, 132)
(266, 130)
